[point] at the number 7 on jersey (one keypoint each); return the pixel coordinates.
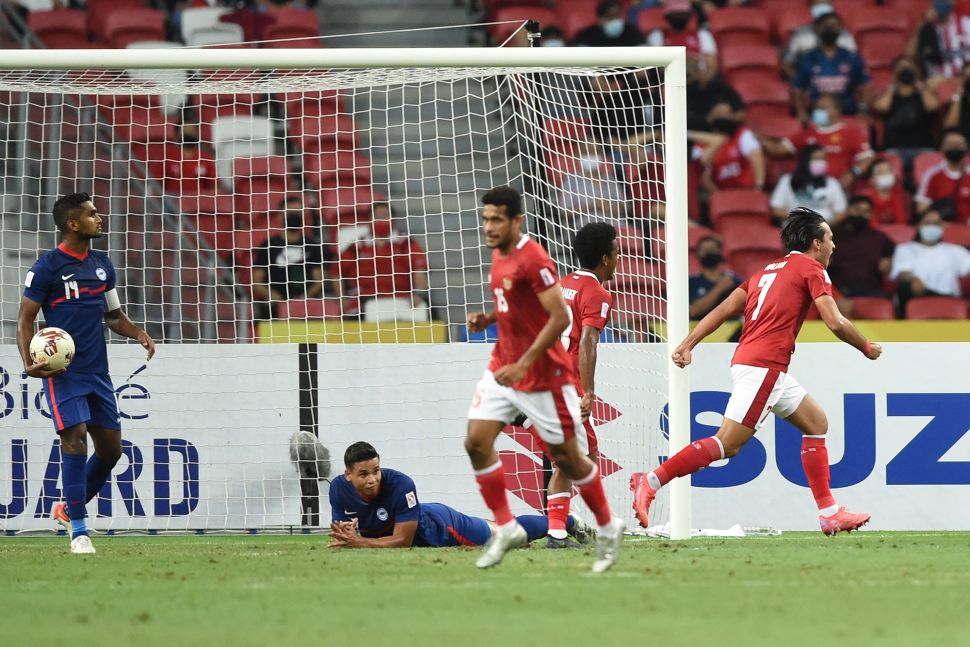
(764, 284)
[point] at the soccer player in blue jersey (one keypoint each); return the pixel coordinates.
(75, 287)
(375, 507)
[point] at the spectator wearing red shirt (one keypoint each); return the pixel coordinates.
(386, 264)
(683, 31)
(731, 156)
(946, 184)
(190, 170)
(890, 203)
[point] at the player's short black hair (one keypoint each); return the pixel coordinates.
(593, 241)
(66, 208)
(359, 452)
(803, 226)
(858, 198)
(505, 196)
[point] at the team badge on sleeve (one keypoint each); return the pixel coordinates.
(411, 499)
(547, 278)
(101, 273)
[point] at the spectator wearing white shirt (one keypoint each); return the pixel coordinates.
(810, 186)
(928, 266)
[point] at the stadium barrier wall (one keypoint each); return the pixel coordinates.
(897, 437)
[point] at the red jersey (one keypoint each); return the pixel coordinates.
(779, 297)
(731, 167)
(843, 144)
(190, 175)
(589, 305)
(939, 183)
(384, 267)
(516, 281)
(888, 209)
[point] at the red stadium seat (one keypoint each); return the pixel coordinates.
(749, 261)
(319, 102)
(923, 162)
(899, 233)
(738, 60)
(631, 240)
(98, 11)
(695, 234)
(880, 48)
(862, 19)
(745, 201)
(324, 132)
(124, 26)
(212, 106)
(873, 308)
(936, 308)
(572, 16)
(328, 169)
(650, 19)
(293, 23)
(957, 233)
(774, 125)
(788, 19)
(347, 205)
(60, 28)
(772, 94)
(639, 276)
(260, 183)
(518, 15)
(740, 25)
(309, 309)
(739, 235)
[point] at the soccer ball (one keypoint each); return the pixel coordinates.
(53, 344)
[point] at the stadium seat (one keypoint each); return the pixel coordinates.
(774, 125)
(631, 240)
(745, 60)
(740, 26)
(936, 308)
(899, 234)
(773, 95)
(788, 18)
(214, 219)
(214, 106)
(880, 48)
(750, 261)
(60, 28)
(516, 15)
(873, 308)
(573, 16)
(260, 183)
(223, 33)
(957, 233)
(234, 137)
(324, 133)
(99, 10)
(123, 26)
(200, 19)
(293, 23)
(738, 235)
(651, 19)
(923, 162)
(330, 168)
(297, 105)
(393, 309)
(861, 19)
(738, 201)
(346, 205)
(697, 233)
(310, 309)
(639, 276)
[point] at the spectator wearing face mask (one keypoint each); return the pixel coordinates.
(730, 155)
(939, 43)
(864, 254)
(592, 191)
(946, 184)
(907, 107)
(610, 30)
(889, 200)
(928, 266)
(805, 38)
(682, 31)
(552, 36)
(958, 113)
(709, 287)
(830, 69)
(810, 185)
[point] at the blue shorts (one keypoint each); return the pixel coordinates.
(441, 526)
(74, 398)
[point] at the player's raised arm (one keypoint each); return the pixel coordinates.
(844, 329)
(553, 303)
(25, 330)
(728, 309)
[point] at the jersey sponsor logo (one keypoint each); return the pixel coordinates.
(411, 499)
(101, 274)
(547, 278)
(382, 514)
(29, 279)
(66, 277)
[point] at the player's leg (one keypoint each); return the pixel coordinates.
(802, 411)
(560, 491)
(105, 430)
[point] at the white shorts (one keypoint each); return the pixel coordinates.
(555, 415)
(759, 390)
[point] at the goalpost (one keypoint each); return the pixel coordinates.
(585, 134)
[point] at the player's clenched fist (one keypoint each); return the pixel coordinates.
(875, 350)
(681, 356)
(478, 321)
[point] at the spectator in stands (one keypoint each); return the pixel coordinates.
(810, 185)
(709, 287)
(290, 266)
(621, 112)
(864, 253)
(939, 43)
(958, 113)
(591, 192)
(830, 69)
(890, 203)
(928, 266)
(552, 36)
(946, 184)
(849, 153)
(731, 156)
(386, 264)
(682, 30)
(907, 107)
(805, 38)
(192, 170)
(610, 30)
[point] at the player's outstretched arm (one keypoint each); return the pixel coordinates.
(728, 309)
(343, 534)
(25, 331)
(845, 329)
(555, 306)
(119, 322)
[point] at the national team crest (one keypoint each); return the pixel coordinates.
(382, 514)
(101, 273)
(507, 282)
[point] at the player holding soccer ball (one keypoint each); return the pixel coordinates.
(75, 286)
(529, 373)
(775, 302)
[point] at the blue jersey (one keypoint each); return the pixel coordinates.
(839, 75)
(70, 289)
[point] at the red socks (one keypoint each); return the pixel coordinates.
(815, 462)
(694, 457)
(591, 489)
(491, 483)
(557, 509)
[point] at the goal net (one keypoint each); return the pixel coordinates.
(302, 239)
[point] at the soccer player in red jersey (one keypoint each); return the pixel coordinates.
(597, 250)
(775, 302)
(529, 373)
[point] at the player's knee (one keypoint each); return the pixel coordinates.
(110, 456)
(731, 449)
(74, 443)
(474, 446)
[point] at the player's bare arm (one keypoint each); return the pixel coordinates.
(588, 344)
(728, 309)
(844, 329)
(119, 322)
(479, 321)
(555, 306)
(344, 535)
(25, 330)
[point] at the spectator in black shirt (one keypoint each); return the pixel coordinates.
(907, 107)
(611, 30)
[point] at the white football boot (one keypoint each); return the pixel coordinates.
(608, 546)
(499, 544)
(81, 545)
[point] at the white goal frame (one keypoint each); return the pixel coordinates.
(671, 59)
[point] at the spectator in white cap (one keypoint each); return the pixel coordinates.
(805, 38)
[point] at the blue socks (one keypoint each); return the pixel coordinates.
(96, 472)
(75, 489)
(535, 525)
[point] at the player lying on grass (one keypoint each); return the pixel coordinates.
(775, 302)
(379, 508)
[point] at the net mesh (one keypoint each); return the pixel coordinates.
(334, 212)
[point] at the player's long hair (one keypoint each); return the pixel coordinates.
(803, 227)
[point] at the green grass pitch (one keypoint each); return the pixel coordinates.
(869, 588)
